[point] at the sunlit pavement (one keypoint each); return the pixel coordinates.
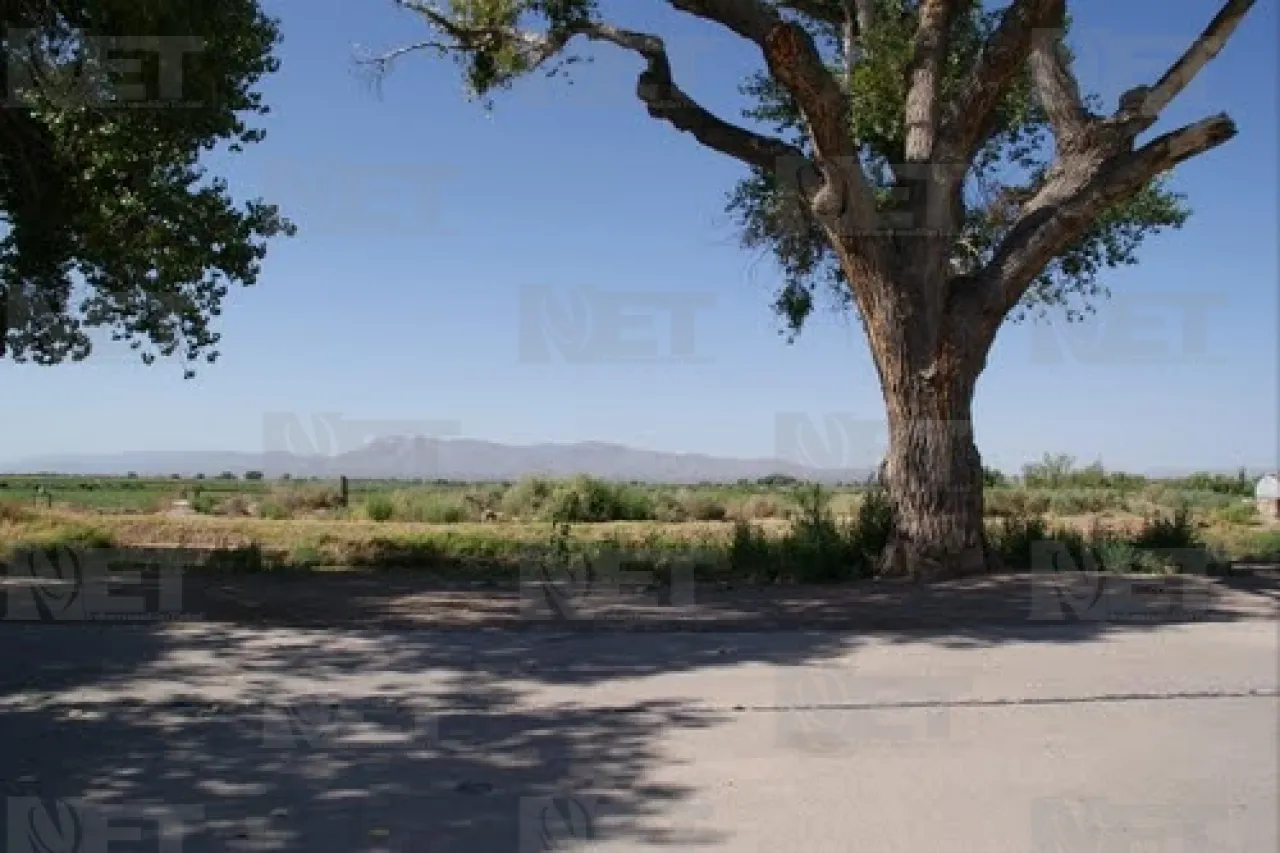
(1036, 738)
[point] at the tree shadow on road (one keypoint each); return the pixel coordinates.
(502, 733)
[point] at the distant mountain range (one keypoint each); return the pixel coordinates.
(447, 459)
(469, 460)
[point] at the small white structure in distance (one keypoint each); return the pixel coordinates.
(1267, 495)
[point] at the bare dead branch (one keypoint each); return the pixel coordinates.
(971, 116)
(656, 88)
(1065, 208)
(1202, 50)
(1057, 88)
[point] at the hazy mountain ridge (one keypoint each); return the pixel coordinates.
(472, 460)
(449, 459)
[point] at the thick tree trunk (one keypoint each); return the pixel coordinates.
(930, 351)
(934, 477)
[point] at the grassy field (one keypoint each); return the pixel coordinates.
(772, 529)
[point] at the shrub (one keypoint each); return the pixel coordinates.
(751, 553)
(274, 510)
(1115, 555)
(1239, 485)
(668, 509)
(874, 523)
(704, 508)
(306, 497)
(1079, 501)
(1239, 513)
(379, 507)
(1015, 537)
(430, 507)
(70, 535)
(527, 497)
(13, 512)
(235, 505)
(586, 499)
(1263, 546)
(1015, 502)
(253, 475)
(306, 554)
(1175, 532)
(817, 548)
(759, 506)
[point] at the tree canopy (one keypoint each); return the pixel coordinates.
(109, 219)
(499, 41)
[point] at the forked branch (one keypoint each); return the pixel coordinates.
(971, 118)
(1097, 165)
(1065, 208)
(794, 61)
(1057, 89)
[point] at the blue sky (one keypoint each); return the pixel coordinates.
(424, 220)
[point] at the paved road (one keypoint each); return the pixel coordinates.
(1057, 738)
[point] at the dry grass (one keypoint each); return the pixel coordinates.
(356, 541)
(342, 541)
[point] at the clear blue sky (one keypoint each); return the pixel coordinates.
(423, 220)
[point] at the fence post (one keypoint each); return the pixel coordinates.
(343, 490)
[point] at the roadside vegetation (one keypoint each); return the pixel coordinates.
(1054, 515)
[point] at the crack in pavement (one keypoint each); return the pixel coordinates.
(1018, 702)
(223, 706)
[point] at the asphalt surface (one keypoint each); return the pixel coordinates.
(207, 736)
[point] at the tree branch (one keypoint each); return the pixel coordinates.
(924, 77)
(971, 117)
(665, 100)
(1065, 208)
(1057, 88)
(1205, 48)
(794, 61)
(655, 87)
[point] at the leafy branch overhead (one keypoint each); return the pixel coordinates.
(903, 141)
(111, 222)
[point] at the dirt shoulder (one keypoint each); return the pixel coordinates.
(406, 599)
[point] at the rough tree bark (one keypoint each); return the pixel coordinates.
(929, 325)
(933, 470)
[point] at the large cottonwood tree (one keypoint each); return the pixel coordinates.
(933, 160)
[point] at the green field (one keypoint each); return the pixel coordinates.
(772, 528)
(1053, 486)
